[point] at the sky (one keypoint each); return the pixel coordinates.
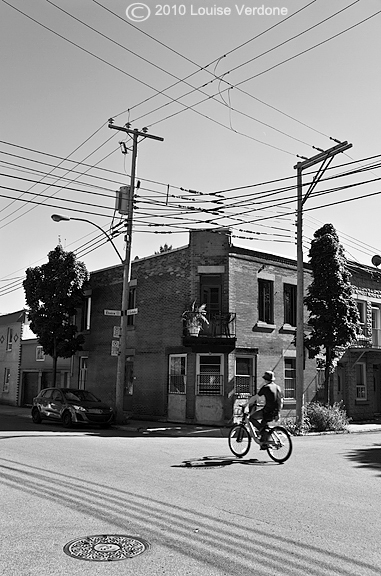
(240, 93)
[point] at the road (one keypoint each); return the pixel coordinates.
(202, 511)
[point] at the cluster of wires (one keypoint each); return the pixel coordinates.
(33, 178)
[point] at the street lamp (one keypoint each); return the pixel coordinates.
(59, 218)
(119, 387)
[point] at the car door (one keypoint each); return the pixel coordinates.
(55, 406)
(44, 400)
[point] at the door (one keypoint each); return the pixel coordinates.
(30, 381)
(244, 376)
(211, 293)
(54, 407)
(177, 387)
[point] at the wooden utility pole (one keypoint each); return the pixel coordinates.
(325, 157)
(121, 369)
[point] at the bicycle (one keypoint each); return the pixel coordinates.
(278, 444)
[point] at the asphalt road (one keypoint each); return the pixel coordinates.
(202, 511)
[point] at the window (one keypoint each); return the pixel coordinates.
(361, 306)
(361, 389)
(289, 378)
(376, 327)
(56, 396)
(131, 305)
(177, 373)
(266, 301)
(82, 372)
(40, 356)
(86, 314)
(7, 378)
(289, 300)
(9, 339)
(210, 378)
(244, 381)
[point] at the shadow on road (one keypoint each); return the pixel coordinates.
(369, 458)
(206, 462)
(22, 422)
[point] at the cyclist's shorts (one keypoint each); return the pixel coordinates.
(268, 416)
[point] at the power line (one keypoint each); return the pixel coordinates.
(271, 68)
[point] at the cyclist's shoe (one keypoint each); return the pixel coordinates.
(263, 446)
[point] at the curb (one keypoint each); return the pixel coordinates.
(195, 431)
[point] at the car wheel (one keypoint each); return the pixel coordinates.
(36, 416)
(67, 419)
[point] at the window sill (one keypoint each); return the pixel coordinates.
(287, 329)
(362, 402)
(263, 327)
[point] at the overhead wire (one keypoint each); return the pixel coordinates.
(273, 67)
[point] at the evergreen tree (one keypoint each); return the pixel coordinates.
(333, 314)
(53, 291)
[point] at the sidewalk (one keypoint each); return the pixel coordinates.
(175, 429)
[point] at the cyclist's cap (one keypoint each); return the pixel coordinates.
(269, 376)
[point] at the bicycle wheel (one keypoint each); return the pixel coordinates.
(239, 440)
(279, 444)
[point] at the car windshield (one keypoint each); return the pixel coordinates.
(80, 396)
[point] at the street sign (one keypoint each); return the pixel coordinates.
(114, 347)
(112, 312)
(132, 311)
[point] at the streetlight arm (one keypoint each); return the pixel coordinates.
(58, 218)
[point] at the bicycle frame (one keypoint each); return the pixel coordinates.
(253, 431)
(278, 443)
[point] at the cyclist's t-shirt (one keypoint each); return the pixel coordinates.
(270, 392)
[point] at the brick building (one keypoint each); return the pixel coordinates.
(357, 379)
(250, 300)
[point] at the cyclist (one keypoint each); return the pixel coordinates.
(271, 409)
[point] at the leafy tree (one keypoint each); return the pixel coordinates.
(164, 248)
(53, 291)
(333, 314)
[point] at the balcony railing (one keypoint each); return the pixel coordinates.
(373, 341)
(221, 325)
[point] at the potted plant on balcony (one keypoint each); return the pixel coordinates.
(195, 318)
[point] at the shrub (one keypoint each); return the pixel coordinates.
(294, 427)
(322, 417)
(319, 417)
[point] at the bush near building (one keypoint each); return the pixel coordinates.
(319, 417)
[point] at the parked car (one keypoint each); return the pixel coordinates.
(71, 406)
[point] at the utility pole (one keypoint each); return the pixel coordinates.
(121, 369)
(325, 157)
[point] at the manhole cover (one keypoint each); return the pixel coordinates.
(105, 548)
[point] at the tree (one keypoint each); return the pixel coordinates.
(333, 312)
(164, 248)
(53, 291)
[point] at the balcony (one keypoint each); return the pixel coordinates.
(219, 335)
(369, 342)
